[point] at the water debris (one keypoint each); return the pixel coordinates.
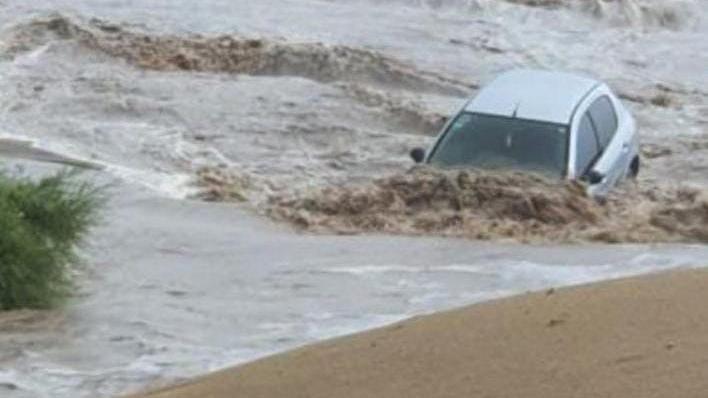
(218, 184)
(654, 151)
(497, 205)
(662, 100)
(232, 54)
(655, 95)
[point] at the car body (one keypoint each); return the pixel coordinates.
(555, 123)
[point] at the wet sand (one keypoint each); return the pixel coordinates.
(640, 337)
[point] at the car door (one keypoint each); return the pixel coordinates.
(612, 162)
(587, 147)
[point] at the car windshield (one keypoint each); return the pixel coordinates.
(497, 142)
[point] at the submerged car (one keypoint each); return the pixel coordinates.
(558, 124)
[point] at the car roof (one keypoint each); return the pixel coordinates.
(533, 94)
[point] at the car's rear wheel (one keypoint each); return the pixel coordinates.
(634, 168)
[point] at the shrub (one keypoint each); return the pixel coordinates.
(41, 222)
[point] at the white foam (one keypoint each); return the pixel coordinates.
(395, 268)
(344, 325)
(172, 185)
(373, 269)
(531, 275)
(33, 57)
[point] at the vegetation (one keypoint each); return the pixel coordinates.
(41, 222)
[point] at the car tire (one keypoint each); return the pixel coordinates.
(634, 168)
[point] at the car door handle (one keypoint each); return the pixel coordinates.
(625, 147)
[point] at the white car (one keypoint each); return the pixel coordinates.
(558, 124)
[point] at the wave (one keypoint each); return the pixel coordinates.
(672, 14)
(231, 54)
(496, 205)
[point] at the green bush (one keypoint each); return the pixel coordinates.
(41, 222)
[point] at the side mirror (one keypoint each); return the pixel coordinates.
(418, 155)
(594, 177)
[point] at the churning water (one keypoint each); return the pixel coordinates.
(257, 101)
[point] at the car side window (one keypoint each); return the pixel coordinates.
(588, 147)
(603, 116)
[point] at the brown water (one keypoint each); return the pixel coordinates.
(513, 206)
(293, 112)
(306, 110)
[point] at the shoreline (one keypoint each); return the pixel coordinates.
(638, 336)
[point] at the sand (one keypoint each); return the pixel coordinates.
(640, 337)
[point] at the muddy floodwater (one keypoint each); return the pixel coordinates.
(180, 105)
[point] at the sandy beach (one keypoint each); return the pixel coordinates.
(636, 337)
